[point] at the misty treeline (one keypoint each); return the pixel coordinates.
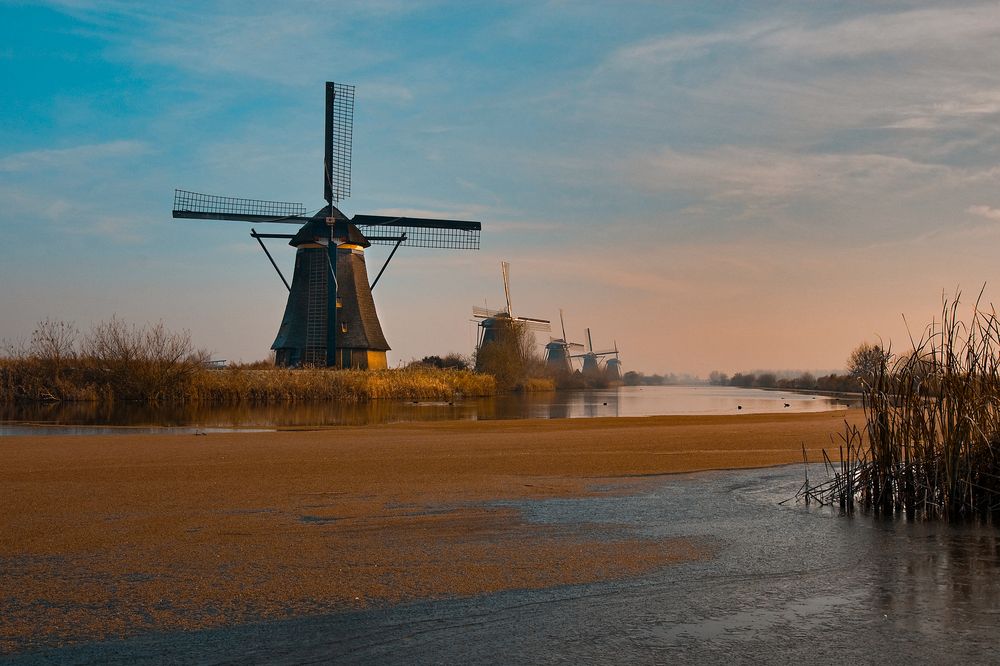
(864, 357)
(634, 378)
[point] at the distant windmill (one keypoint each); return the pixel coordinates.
(613, 366)
(330, 306)
(592, 361)
(559, 352)
(495, 323)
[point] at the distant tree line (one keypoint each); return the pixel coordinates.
(863, 363)
(845, 383)
(633, 378)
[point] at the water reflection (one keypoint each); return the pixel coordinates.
(935, 573)
(622, 401)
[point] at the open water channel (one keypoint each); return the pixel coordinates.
(86, 418)
(786, 584)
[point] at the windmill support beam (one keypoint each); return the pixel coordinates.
(285, 236)
(253, 232)
(399, 241)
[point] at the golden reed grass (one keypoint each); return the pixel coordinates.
(82, 380)
(236, 385)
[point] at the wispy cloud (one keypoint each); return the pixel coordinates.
(757, 173)
(875, 32)
(920, 31)
(58, 158)
(288, 44)
(988, 212)
(792, 76)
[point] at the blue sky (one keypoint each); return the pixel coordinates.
(715, 185)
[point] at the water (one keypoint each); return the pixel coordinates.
(88, 418)
(787, 584)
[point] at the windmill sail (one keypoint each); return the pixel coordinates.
(540, 325)
(337, 141)
(212, 207)
(420, 232)
(482, 313)
(382, 229)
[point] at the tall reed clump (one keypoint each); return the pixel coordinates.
(931, 443)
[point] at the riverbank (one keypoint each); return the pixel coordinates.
(113, 536)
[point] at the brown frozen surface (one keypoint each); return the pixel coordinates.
(116, 535)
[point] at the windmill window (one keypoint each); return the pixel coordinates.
(343, 328)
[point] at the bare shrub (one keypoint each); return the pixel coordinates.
(54, 341)
(448, 361)
(142, 363)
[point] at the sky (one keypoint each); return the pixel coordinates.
(711, 185)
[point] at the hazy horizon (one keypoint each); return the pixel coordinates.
(714, 187)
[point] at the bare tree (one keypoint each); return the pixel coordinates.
(867, 362)
(143, 363)
(54, 340)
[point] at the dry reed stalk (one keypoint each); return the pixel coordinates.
(930, 444)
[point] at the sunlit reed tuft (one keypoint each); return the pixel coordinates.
(930, 444)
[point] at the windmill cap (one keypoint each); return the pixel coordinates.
(316, 229)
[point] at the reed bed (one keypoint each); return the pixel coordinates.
(33, 380)
(277, 385)
(538, 385)
(932, 436)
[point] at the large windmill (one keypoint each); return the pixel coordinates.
(330, 305)
(496, 323)
(559, 351)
